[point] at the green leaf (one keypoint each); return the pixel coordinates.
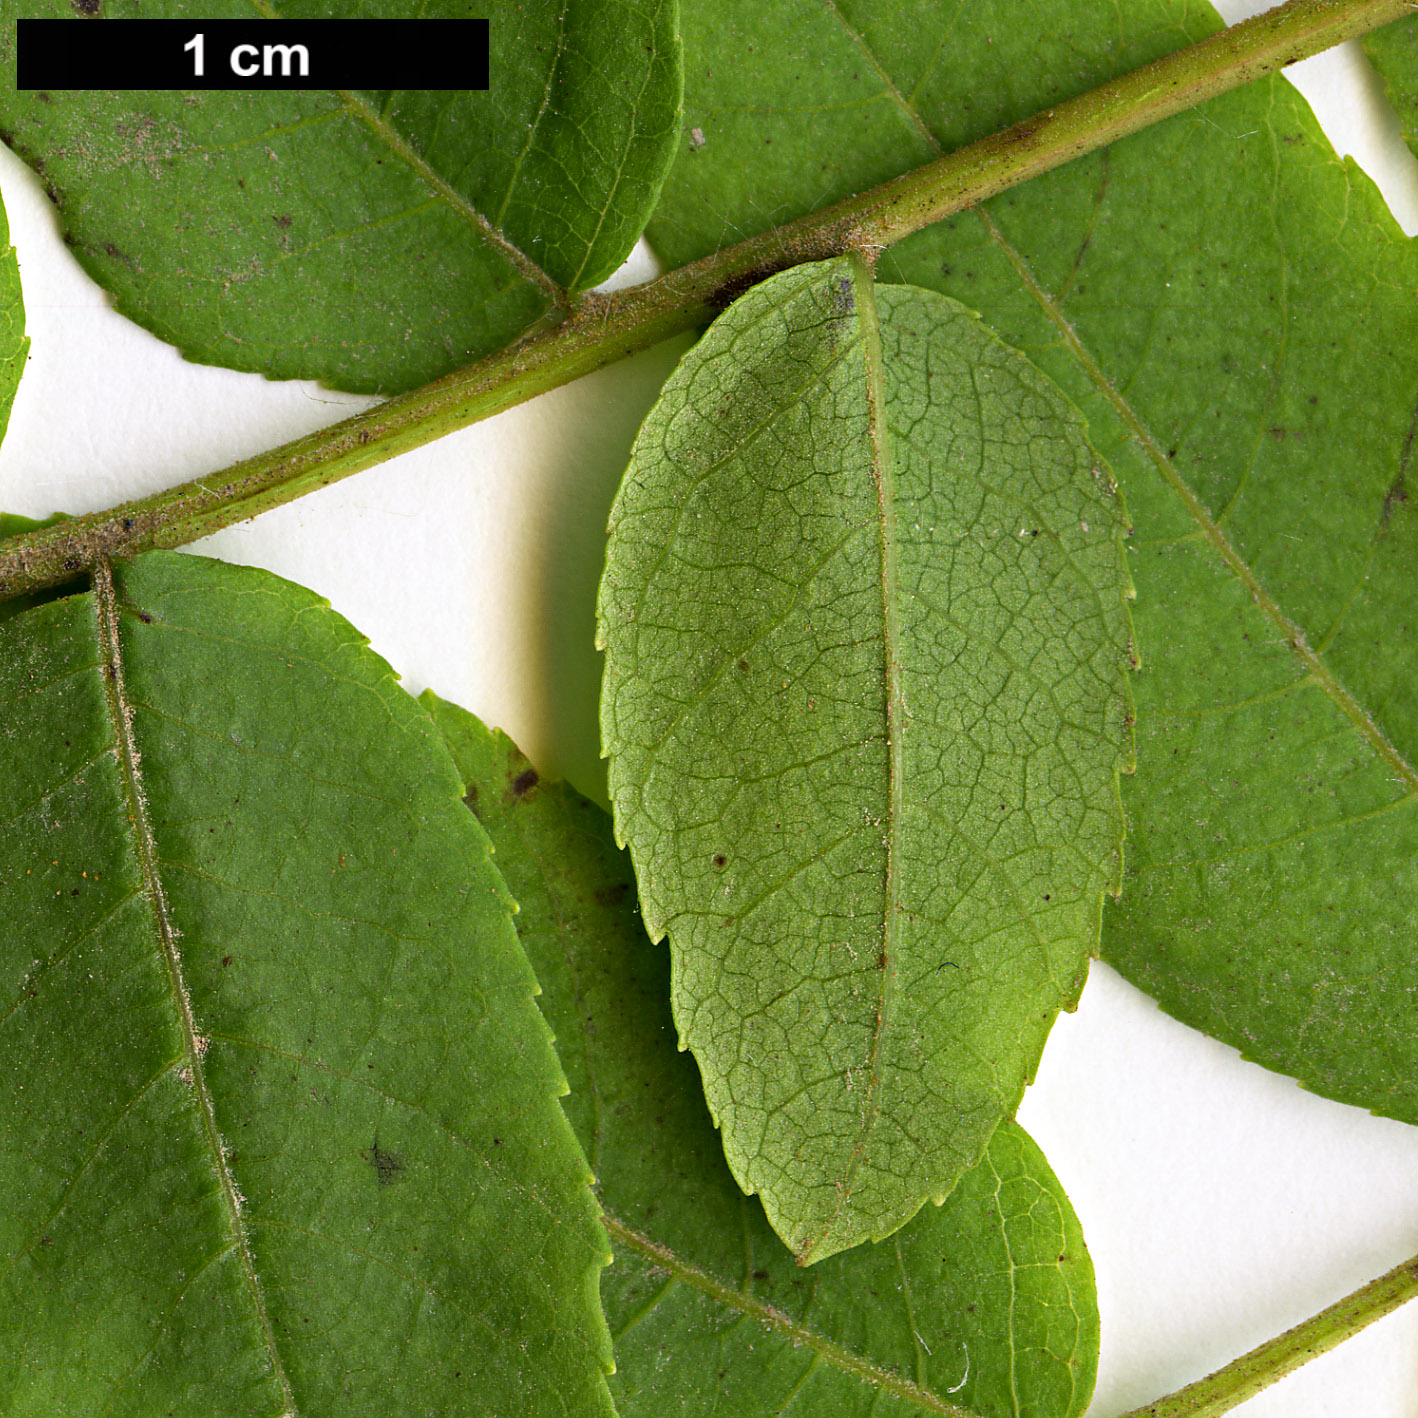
(1232, 308)
(14, 343)
(865, 702)
(280, 1118)
(1393, 51)
(711, 1315)
(375, 240)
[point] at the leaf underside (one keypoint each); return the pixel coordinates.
(710, 1313)
(280, 1116)
(372, 239)
(1232, 308)
(865, 704)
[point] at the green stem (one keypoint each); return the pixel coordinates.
(1248, 1375)
(607, 328)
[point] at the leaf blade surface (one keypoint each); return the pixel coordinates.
(290, 1141)
(1391, 50)
(1229, 305)
(865, 704)
(14, 343)
(711, 1314)
(375, 240)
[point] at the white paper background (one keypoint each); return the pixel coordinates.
(1221, 1203)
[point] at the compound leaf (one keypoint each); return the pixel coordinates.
(280, 1115)
(1232, 308)
(865, 703)
(985, 1304)
(374, 240)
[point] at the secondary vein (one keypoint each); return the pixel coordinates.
(663, 1258)
(129, 761)
(399, 146)
(1211, 532)
(1209, 527)
(403, 150)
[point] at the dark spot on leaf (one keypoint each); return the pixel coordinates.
(721, 860)
(881, 960)
(1396, 494)
(144, 617)
(743, 667)
(127, 524)
(86, 7)
(44, 97)
(524, 782)
(843, 298)
(226, 960)
(760, 1275)
(387, 1165)
(283, 221)
(497, 1142)
(842, 305)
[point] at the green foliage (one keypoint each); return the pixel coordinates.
(710, 1313)
(435, 226)
(1393, 51)
(865, 703)
(280, 1118)
(1232, 308)
(14, 345)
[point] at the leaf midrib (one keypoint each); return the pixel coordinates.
(1209, 528)
(865, 301)
(120, 712)
(377, 124)
(847, 1361)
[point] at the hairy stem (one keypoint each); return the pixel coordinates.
(1247, 1376)
(607, 328)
